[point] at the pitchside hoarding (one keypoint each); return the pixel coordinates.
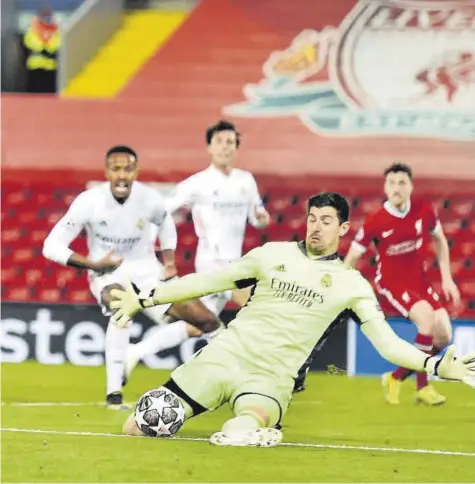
(55, 334)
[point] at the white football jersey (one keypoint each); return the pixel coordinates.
(221, 205)
(124, 228)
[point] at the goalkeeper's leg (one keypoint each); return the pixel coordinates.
(256, 416)
(299, 385)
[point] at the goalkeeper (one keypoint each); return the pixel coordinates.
(299, 290)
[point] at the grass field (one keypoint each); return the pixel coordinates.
(338, 430)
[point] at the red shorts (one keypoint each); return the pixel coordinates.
(401, 299)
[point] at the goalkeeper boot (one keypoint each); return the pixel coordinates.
(392, 387)
(429, 396)
(263, 437)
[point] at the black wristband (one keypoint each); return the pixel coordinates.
(142, 300)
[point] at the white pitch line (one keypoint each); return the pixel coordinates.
(285, 444)
(53, 404)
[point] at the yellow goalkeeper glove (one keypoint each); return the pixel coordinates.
(127, 303)
(451, 368)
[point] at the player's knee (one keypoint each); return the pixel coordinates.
(423, 316)
(106, 297)
(266, 410)
(208, 323)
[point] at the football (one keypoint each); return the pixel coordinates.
(159, 413)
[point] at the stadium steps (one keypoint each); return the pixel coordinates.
(142, 34)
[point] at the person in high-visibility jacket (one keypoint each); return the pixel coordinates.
(42, 41)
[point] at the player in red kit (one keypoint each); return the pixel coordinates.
(401, 231)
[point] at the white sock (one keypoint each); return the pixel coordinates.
(240, 424)
(117, 340)
(161, 338)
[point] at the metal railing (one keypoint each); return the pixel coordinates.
(84, 33)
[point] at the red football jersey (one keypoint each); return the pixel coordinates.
(401, 240)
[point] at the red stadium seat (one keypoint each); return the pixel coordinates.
(467, 289)
(38, 235)
(463, 208)
(16, 198)
(369, 205)
(23, 256)
(50, 295)
(11, 235)
(9, 274)
(18, 294)
(451, 228)
(33, 276)
(80, 296)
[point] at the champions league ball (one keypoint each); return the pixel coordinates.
(159, 413)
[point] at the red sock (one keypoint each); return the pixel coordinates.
(401, 373)
(424, 343)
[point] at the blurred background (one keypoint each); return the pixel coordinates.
(326, 95)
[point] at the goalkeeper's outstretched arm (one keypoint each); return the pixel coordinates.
(394, 349)
(239, 274)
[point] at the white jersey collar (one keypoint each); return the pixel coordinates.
(396, 213)
(218, 172)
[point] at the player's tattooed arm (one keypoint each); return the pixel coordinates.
(107, 264)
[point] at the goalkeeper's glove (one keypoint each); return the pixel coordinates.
(451, 368)
(127, 303)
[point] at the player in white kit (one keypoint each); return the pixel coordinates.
(119, 216)
(222, 200)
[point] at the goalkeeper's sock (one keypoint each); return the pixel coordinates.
(424, 343)
(117, 340)
(241, 424)
(162, 338)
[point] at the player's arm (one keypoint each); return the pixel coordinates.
(242, 273)
(56, 244)
(360, 244)
(258, 216)
(443, 257)
(182, 196)
(167, 236)
(398, 351)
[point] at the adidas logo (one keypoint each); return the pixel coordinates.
(280, 268)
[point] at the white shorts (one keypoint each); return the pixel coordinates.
(214, 302)
(144, 273)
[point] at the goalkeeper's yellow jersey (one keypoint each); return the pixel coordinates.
(295, 302)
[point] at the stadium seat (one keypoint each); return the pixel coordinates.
(11, 235)
(80, 296)
(50, 295)
(18, 294)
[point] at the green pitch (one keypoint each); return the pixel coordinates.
(345, 431)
